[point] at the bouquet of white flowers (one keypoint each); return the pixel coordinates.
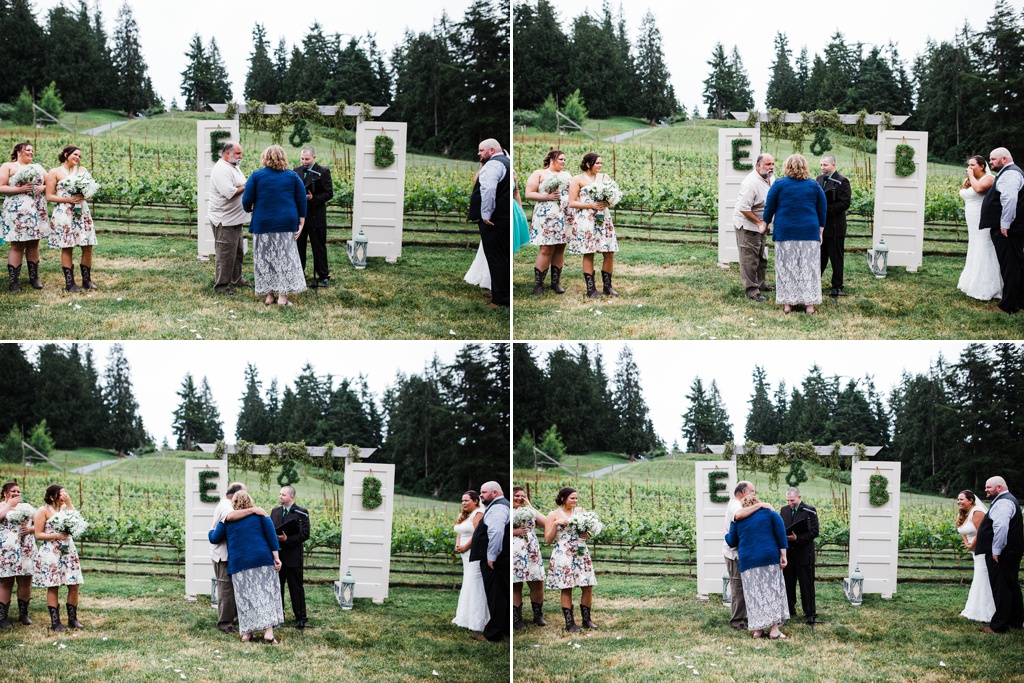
(68, 522)
(586, 522)
(521, 516)
(21, 513)
(605, 191)
(80, 183)
(556, 182)
(30, 175)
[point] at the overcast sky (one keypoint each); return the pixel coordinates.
(689, 31)
(158, 369)
(667, 369)
(166, 28)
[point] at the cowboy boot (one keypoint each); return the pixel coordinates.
(13, 273)
(538, 613)
(69, 280)
(570, 620)
(87, 277)
(23, 613)
(73, 617)
(55, 624)
(5, 622)
(556, 280)
(33, 275)
(538, 280)
(606, 279)
(592, 292)
(517, 618)
(585, 617)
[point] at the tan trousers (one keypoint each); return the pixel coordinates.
(226, 611)
(753, 260)
(227, 247)
(739, 606)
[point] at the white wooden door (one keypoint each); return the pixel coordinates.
(204, 164)
(711, 526)
(198, 518)
(366, 534)
(899, 202)
(875, 530)
(378, 204)
(729, 180)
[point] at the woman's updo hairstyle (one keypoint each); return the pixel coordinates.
(52, 494)
(17, 149)
(563, 495)
(589, 159)
(66, 152)
(551, 156)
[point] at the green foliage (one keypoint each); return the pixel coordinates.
(821, 142)
(520, 117)
(878, 489)
(216, 142)
(716, 483)
(206, 485)
(551, 443)
(797, 474)
(22, 114)
(574, 108)
(40, 439)
(905, 165)
(289, 476)
(741, 154)
(371, 498)
(10, 449)
(300, 134)
(50, 101)
(522, 455)
(383, 151)
(547, 115)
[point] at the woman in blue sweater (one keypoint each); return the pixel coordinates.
(797, 205)
(277, 200)
(252, 565)
(761, 539)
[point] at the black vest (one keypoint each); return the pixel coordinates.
(502, 196)
(478, 551)
(1014, 534)
(992, 207)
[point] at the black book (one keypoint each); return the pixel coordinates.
(289, 528)
(798, 527)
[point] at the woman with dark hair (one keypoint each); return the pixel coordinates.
(471, 612)
(17, 557)
(593, 230)
(761, 542)
(980, 603)
(552, 221)
(57, 563)
(527, 563)
(24, 218)
(276, 198)
(71, 220)
(570, 564)
(981, 278)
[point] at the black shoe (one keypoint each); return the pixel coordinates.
(840, 292)
(833, 293)
(300, 624)
(323, 282)
(812, 620)
(242, 283)
(228, 629)
(759, 298)
(228, 292)
(766, 288)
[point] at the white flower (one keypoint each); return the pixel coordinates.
(586, 522)
(605, 191)
(69, 522)
(556, 182)
(30, 175)
(22, 513)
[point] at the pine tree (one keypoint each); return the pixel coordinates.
(818, 407)
(633, 435)
(281, 70)
(655, 98)
(803, 75)
(253, 424)
(841, 65)
(124, 430)
(783, 88)
(213, 427)
(59, 391)
(705, 421)
(189, 416)
(220, 90)
(481, 42)
(762, 420)
(71, 64)
(720, 85)
(314, 77)
(814, 91)
(24, 39)
(597, 79)
(540, 46)
(743, 95)
(1002, 53)
(261, 83)
(134, 89)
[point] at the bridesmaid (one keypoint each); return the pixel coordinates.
(17, 558)
(57, 564)
(552, 223)
(24, 216)
(980, 604)
(71, 221)
(570, 564)
(588, 236)
(527, 564)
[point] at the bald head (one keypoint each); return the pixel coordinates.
(999, 157)
(995, 485)
(490, 491)
(488, 148)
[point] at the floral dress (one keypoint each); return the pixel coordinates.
(552, 220)
(24, 216)
(592, 230)
(57, 563)
(527, 564)
(70, 230)
(570, 564)
(17, 551)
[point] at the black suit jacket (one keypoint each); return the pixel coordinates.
(801, 550)
(478, 550)
(291, 548)
(1014, 536)
(838, 195)
(322, 190)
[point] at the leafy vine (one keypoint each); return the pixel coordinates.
(244, 458)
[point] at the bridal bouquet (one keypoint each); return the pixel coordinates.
(30, 175)
(585, 522)
(80, 183)
(69, 522)
(604, 191)
(21, 513)
(556, 182)
(521, 516)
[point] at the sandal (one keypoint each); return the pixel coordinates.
(780, 636)
(272, 641)
(286, 303)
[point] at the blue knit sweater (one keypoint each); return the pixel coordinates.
(759, 538)
(276, 199)
(798, 209)
(251, 540)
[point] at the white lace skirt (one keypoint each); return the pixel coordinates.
(276, 265)
(764, 591)
(479, 274)
(798, 272)
(258, 599)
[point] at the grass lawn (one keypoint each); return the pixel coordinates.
(655, 629)
(142, 629)
(155, 288)
(70, 460)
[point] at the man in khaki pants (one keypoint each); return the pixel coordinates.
(226, 216)
(751, 231)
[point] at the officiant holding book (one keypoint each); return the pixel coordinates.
(292, 525)
(319, 191)
(801, 522)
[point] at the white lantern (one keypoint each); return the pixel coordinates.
(357, 250)
(878, 259)
(854, 587)
(346, 590)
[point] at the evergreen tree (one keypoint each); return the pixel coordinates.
(124, 429)
(803, 75)
(598, 80)
(415, 417)
(311, 396)
(17, 395)
(59, 391)
(51, 102)
(531, 390)
(575, 400)
(792, 426)
(481, 41)
(253, 423)
(763, 422)
(104, 76)
(814, 91)
(784, 90)
(281, 70)
(655, 99)
(540, 47)
(853, 420)
(719, 85)
(134, 89)
(205, 78)
(818, 407)
(743, 96)
(24, 40)
(344, 419)
(220, 91)
(425, 77)
(634, 434)
(720, 423)
(71, 64)
(314, 69)
(841, 64)
(1002, 52)
(705, 421)
(196, 419)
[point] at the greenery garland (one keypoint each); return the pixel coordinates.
(265, 465)
(752, 459)
(216, 136)
(741, 151)
(716, 484)
(821, 142)
(300, 133)
(797, 474)
(878, 490)
(776, 128)
(256, 119)
(383, 151)
(905, 165)
(205, 486)
(371, 493)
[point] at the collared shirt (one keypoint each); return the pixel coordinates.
(496, 518)
(491, 174)
(1000, 513)
(1009, 185)
(225, 206)
(219, 551)
(753, 192)
(734, 506)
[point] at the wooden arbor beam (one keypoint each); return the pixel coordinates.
(315, 451)
(847, 451)
(326, 110)
(848, 119)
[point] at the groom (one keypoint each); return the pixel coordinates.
(1002, 211)
(491, 547)
(1001, 540)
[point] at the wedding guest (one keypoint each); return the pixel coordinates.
(570, 565)
(552, 223)
(24, 220)
(981, 278)
(252, 564)
(226, 216)
(471, 612)
(277, 200)
(17, 557)
(225, 511)
(796, 204)
(980, 606)
(735, 511)
(71, 222)
(489, 205)
(527, 563)
(761, 543)
(319, 191)
(592, 230)
(57, 562)
(751, 231)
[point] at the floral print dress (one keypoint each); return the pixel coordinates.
(70, 230)
(24, 216)
(527, 564)
(17, 551)
(593, 231)
(570, 564)
(57, 563)
(552, 220)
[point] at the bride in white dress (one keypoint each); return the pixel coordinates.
(980, 605)
(472, 612)
(981, 278)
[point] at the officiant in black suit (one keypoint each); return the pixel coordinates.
(491, 545)
(838, 195)
(801, 522)
(292, 524)
(319, 191)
